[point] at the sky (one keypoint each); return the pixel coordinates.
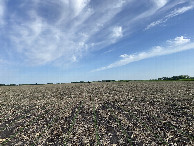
(62, 41)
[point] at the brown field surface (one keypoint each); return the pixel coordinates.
(133, 113)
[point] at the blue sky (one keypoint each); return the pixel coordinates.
(72, 40)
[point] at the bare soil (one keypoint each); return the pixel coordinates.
(133, 113)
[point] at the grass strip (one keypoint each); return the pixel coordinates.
(22, 128)
(12, 136)
(172, 126)
(44, 131)
(147, 127)
(96, 126)
(47, 128)
(120, 126)
(20, 117)
(72, 125)
(156, 135)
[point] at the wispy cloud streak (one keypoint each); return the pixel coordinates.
(173, 46)
(174, 13)
(2, 11)
(63, 31)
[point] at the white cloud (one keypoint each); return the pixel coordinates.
(180, 44)
(108, 51)
(1, 61)
(120, 3)
(179, 11)
(124, 56)
(157, 5)
(70, 28)
(178, 41)
(40, 40)
(174, 13)
(117, 32)
(74, 59)
(2, 11)
(1, 8)
(78, 5)
(160, 3)
(155, 23)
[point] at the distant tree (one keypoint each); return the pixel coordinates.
(180, 77)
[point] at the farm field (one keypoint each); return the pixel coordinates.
(133, 113)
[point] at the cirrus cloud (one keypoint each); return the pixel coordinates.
(117, 32)
(176, 45)
(2, 11)
(178, 41)
(66, 36)
(49, 32)
(172, 14)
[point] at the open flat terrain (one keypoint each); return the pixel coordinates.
(133, 113)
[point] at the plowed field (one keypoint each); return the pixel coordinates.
(133, 113)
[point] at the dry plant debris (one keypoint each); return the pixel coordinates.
(133, 113)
